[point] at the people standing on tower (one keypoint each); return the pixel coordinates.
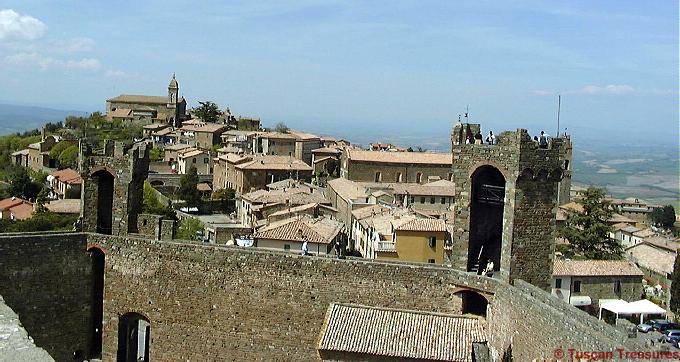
(543, 140)
(490, 139)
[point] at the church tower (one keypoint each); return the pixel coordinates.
(173, 92)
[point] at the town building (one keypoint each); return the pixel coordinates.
(64, 182)
(20, 158)
(15, 208)
(321, 234)
(583, 283)
(372, 232)
(39, 153)
(346, 196)
(255, 208)
(256, 173)
(635, 209)
(326, 161)
(194, 157)
(202, 135)
(418, 240)
(239, 141)
(149, 130)
(381, 166)
(171, 153)
(145, 109)
(435, 196)
(293, 143)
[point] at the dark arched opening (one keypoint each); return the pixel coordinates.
(486, 219)
(104, 201)
(157, 183)
(473, 303)
(133, 338)
(97, 261)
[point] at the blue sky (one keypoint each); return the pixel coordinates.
(364, 66)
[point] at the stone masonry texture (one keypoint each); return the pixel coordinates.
(227, 303)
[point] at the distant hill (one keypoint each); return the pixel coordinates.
(15, 118)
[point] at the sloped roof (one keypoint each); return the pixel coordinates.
(400, 157)
(347, 189)
(644, 233)
(434, 225)
(653, 258)
(142, 99)
(395, 333)
(595, 268)
(301, 228)
(121, 113)
(204, 127)
(64, 206)
(423, 190)
(67, 175)
(305, 207)
(10, 202)
(22, 211)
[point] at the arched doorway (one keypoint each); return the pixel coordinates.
(473, 302)
(104, 201)
(97, 261)
(133, 338)
(486, 218)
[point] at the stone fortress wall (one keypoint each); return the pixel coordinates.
(216, 303)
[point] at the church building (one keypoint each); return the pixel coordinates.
(149, 109)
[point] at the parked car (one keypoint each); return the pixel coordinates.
(669, 335)
(644, 327)
(668, 326)
(658, 323)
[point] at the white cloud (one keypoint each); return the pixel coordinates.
(85, 64)
(607, 89)
(115, 73)
(47, 62)
(16, 26)
(592, 89)
(74, 45)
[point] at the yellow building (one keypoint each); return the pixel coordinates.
(419, 240)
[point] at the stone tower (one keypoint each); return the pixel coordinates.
(506, 196)
(173, 92)
(113, 184)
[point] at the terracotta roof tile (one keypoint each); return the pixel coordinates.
(134, 98)
(401, 334)
(300, 228)
(435, 225)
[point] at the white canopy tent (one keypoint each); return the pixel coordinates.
(621, 307)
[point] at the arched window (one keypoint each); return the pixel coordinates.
(378, 177)
(486, 219)
(104, 181)
(419, 177)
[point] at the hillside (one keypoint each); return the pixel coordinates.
(15, 118)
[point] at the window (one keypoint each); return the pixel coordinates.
(205, 160)
(558, 283)
(443, 200)
(431, 261)
(286, 247)
(193, 160)
(433, 241)
(450, 176)
(378, 176)
(422, 199)
(419, 177)
(432, 200)
(398, 176)
(577, 286)
(617, 287)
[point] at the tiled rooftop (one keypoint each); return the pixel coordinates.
(434, 225)
(300, 228)
(399, 334)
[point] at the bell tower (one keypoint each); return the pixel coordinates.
(173, 92)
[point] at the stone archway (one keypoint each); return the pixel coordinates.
(105, 181)
(473, 302)
(134, 336)
(486, 218)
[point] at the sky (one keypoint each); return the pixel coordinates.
(368, 67)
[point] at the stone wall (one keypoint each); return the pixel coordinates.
(537, 324)
(365, 171)
(205, 303)
(46, 279)
(149, 225)
(603, 288)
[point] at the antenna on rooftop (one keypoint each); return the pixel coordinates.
(467, 113)
(559, 104)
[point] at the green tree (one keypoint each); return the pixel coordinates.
(156, 154)
(187, 188)
(281, 128)
(588, 230)
(41, 199)
(69, 157)
(21, 184)
(663, 216)
(675, 287)
(151, 204)
(208, 111)
(189, 229)
(58, 149)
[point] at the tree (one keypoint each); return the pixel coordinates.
(208, 112)
(58, 149)
(156, 154)
(21, 184)
(187, 188)
(663, 216)
(281, 128)
(151, 204)
(69, 157)
(675, 287)
(588, 230)
(189, 229)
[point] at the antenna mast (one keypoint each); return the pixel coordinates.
(559, 104)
